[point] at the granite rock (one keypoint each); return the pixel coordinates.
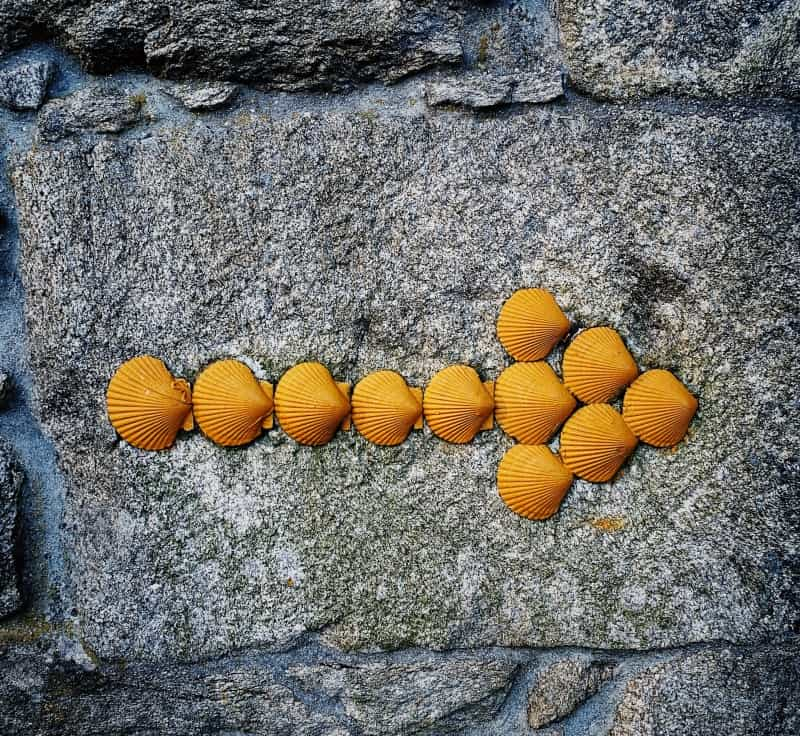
(5, 388)
(433, 693)
(562, 686)
(473, 91)
(283, 44)
(633, 49)
(98, 108)
(391, 241)
(200, 97)
(732, 691)
(10, 485)
(24, 86)
(50, 684)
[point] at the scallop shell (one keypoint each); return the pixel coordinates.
(385, 408)
(310, 405)
(532, 481)
(531, 324)
(658, 408)
(530, 402)
(595, 442)
(231, 407)
(597, 365)
(457, 405)
(146, 405)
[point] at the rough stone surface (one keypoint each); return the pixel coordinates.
(23, 87)
(10, 484)
(444, 694)
(730, 691)
(728, 48)
(52, 685)
(389, 241)
(475, 91)
(284, 44)
(98, 108)
(487, 90)
(202, 97)
(561, 687)
(5, 388)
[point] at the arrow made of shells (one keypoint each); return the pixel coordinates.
(148, 406)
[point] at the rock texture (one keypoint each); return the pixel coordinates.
(283, 44)
(24, 87)
(203, 97)
(98, 108)
(5, 388)
(51, 685)
(632, 49)
(730, 691)
(10, 484)
(562, 686)
(388, 241)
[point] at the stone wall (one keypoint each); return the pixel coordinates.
(365, 184)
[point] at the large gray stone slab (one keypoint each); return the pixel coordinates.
(50, 684)
(730, 691)
(10, 485)
(728, 48)
(378, 241)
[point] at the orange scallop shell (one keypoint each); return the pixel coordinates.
(457, 405)
(658, 408)
(385, 409)
(531, 324)
(597, 365)
(595, 442)
(231, 407)
(532, 481)
(530, 402)
(146, 405)
(310, 405)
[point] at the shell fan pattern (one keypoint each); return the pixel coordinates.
(310, 405)
(231, 407)
(597, 365)
(531, 403)
(595, 442)
(531, 324)
(385, 409)
(146, 405)
(658, 408)
(532, 481)
(457, 404)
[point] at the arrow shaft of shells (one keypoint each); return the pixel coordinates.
(147, 406)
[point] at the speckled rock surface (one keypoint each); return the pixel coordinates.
(10, 484)
(730, 691)
(201, 97)
(637, 48)
(49, 684)
(391, 241)
(5, 388)
(562, 686)
(99, 108)
(24, 86)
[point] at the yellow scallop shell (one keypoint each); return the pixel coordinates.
(146, 405)
(595, 442)
(597, 365)
(531, 324)
(530, 402)
(457, 405)
(231, 407)
(658, 408)
(532, 481)
(384, 408)
(310, 405)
